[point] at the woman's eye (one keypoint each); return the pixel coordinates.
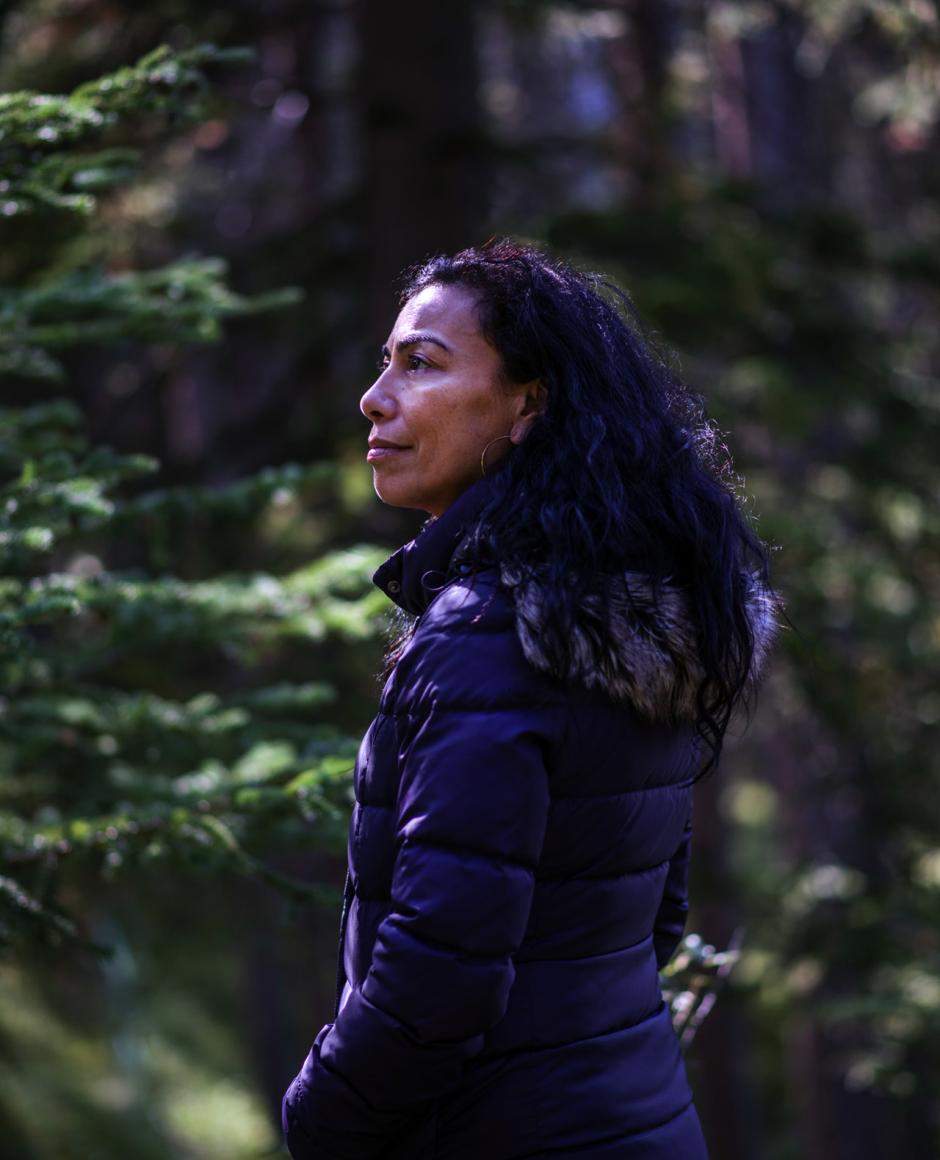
(414, 362)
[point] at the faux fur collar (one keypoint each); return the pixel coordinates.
(638, 648)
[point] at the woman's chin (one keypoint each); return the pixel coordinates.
(403, 493)
(397, 494)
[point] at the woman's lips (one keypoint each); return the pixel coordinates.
(378, 454)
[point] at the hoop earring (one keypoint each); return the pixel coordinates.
(487, 447)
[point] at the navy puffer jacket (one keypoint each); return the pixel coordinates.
(518, 857)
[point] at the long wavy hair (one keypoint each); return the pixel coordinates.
(622, 469)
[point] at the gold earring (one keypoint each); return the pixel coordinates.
(487, 447)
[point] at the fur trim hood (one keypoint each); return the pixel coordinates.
(637, 645)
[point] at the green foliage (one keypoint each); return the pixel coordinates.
(90, 769)
(47, 174)
(905, 95)
(693, 979)
(115, 756)
(40, 169)
(186, 301)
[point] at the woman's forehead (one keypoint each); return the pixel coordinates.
(449, 310)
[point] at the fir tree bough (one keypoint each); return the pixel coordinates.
(109, 757)
(50, 169)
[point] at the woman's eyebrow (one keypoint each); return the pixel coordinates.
(414, 339)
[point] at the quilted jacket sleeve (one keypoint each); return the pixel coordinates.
(674, 908)
(471, 815)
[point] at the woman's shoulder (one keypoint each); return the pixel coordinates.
(473, 603)
(466, 649)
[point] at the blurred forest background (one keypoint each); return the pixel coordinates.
(197, 268)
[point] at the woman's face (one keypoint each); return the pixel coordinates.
(437, 403)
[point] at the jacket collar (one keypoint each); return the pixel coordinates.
(413, 575)
(634, 639)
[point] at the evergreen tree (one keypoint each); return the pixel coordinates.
(111, 753)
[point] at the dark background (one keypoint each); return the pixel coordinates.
(761, 178)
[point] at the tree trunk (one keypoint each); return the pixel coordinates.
(425, 176)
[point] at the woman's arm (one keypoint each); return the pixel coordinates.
(674, 908)
(470, 822)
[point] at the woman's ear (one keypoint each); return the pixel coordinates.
(533, 399)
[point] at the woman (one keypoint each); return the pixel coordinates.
(588, 606)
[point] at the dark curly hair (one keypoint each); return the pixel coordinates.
(621, 471)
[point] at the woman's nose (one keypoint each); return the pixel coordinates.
(377, 402)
